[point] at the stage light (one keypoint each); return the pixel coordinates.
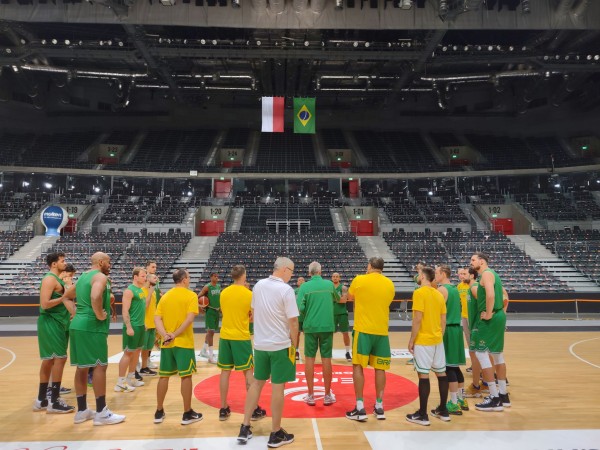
(235, 3)
(443, 7)
(525, 7)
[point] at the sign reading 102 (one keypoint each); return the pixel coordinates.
(494, 209)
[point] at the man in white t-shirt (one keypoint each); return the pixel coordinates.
(275, 342)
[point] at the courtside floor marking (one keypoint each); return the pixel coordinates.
(490, 440)
(579, 357)
(317, 435)
(11, 361)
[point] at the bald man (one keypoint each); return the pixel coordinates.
(88, 340)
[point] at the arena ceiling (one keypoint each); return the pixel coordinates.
(124, 57)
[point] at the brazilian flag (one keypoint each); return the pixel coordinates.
(304, 115)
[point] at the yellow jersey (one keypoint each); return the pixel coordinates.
(173, 307)
(463, 288)
(432, 304)
(150, 310)
(373, 293)
(236, 304)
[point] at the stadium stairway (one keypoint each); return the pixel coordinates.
(30, 251)
(467, 208)
(392, 268)
(234, 221)
(193, 258)
(340, 221)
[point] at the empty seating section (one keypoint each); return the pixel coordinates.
(133, 209)
(551, 207)
(580, 248)
(121, 137)
(20, 206)
(12, 147)
(403, 210)
(376, 152)
(423, 209)
(236, 138)
(256, 217)
(285, 152)
(517, 270)
(334, 139)
(548, 148)
(410, 152)
(584, 201)
(11, 241)
(445, 139)
(59, 150)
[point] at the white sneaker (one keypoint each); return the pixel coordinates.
(309, 400)
(135, 383)
(152, 366)
(204, 353)
(124, 388)
(212, 359)
(329, 399)
(40, 405)
(106, 417)
(82, 416)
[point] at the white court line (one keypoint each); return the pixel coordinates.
(11, 361)
(317, 435)
(576, 355)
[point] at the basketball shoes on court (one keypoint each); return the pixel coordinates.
(83, 416)
(280, 438)
(258, 413)
(357, 414)
(378, 413)
(245, 434)
(107, 417)
(454, 408)
(59, 407)
(418, 418)
(159, 416)
(490, 404)
(190, 416)
(441, 414)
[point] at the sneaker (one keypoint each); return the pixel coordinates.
(138, 376)
(464, 405)
(83, 416)
(309, 400)
(329, 399)
(378, 413)
(245, 434)
(124, 387)
(65, 390)
(59, 407)
(418, 418)
(90, 380)
(473, 391)
(355, 414)
(470, 369)
(280, 438)
(159, 416)
(107, 417)
(40, 405)
(134, 382)
(505, 400)
(490, 404)
(224, 413)
(441, 414)
(297, 355)
(147, 372)
(454, 408)
(152, 365)
(212, 359)
(258, 413)
(348, 357)
(410, 362)
(204, 353)
(190, 416)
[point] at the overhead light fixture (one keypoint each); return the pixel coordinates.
(443, 8)
(48, 185)
(339, 4)
(235, 3)
(406, 4)
(525, 7)
(54, 41)
(167, 2)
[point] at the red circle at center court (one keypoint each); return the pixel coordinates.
(399, 391)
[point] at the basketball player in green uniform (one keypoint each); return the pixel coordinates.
(299, 282)
(475, 389)
(454, 346)
(487, 337)
(88, 339)
(340, 313)
(56, 309)
(213, 291)
(135, 301)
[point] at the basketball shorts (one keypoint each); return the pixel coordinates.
(371, 350)
(341, 322)
(235, 355)
(430, 357)
(488, 335)
(321, 341)
(177, 360)
(149, 339)
(212, 319)
(278, 365)
(454, 346)
(135, 342)
(53, 338)
(88, 349)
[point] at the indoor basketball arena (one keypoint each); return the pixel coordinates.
(327, 224)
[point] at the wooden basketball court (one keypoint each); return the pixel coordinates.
(553, 386)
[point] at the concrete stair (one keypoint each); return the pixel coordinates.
(199, 248)
(30, 251)
(194, 266)
(531, 247)
(392, 267)
(340, 221)
(234, 221)
(567, 273)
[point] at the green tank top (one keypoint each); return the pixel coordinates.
(339, 308)
(498, 304)
(85, 319)
(58, 312)
(453, 307)
(137, 311)
(214, 295)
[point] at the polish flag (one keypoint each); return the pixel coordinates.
(272, 114)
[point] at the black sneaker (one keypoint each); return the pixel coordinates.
(258, 413)
(470, 369)
(348, 357)
(66, 390)
(138, 376)
(245, 434)
(146, 371)
(190, 416)
(505, 400)
(441, 414)
(224, 413)
(159, 416)
(280, 438)
(378, 413)
(59, 407)
(418, 418)
(490, 404)
(297, 355)
(355, 414)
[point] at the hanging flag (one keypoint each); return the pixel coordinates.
(272, 114)
(304, 115)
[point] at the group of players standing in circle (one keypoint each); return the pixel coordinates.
(317, 307)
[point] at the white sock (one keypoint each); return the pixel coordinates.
(348, 349)
(360, 404)
(502, 387)
(205, 348)
(121, 381)
(131, 376)
(210, 351)
(493, 389)
(461, 393)
(379, 404)
(453, 397)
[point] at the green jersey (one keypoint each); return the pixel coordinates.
(85, 319)
(339, 308)
(301, 316)
(137, 310)
(453, 307)
(214, 295)
(498, 300)
(316, 298)
(58, 312)
(157, 292)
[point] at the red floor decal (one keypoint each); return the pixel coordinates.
(399, 391)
